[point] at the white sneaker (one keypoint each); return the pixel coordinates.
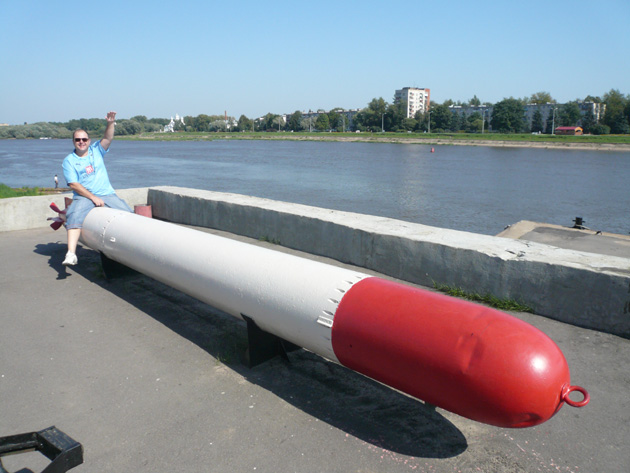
(71, 259)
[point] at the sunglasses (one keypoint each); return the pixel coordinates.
(85, 140)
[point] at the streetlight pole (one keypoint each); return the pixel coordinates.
(483, 120)
(429, 131)
(553, 121)
(382, 123)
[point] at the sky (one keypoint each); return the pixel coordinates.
(65, 60)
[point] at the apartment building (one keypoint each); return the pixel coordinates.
(418, 100)
(545, 109)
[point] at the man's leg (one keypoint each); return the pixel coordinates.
(76, 214)
(73, 239)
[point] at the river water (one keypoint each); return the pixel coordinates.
(470, 188)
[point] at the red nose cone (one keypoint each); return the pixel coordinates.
(469, 359)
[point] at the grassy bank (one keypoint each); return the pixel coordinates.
(7, 192)
(427, 138)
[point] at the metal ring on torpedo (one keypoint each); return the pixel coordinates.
(569, 389)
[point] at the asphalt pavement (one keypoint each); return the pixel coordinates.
(148, 379)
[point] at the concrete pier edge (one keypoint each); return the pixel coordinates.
(584, 289)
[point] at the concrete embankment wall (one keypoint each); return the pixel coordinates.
(584, 289)
(23, 213)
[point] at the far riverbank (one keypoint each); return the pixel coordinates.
(598, 143)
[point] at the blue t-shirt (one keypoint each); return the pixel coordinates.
(89, 170)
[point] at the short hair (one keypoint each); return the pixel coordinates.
(77, 130)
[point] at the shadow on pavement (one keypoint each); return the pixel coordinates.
(365, 409)
(56, 253)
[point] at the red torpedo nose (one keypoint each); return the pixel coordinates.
(474, 361)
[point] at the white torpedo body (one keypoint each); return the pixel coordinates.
(466, 358)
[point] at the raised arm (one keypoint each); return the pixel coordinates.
(109, 130)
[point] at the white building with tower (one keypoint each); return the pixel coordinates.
(170, 128)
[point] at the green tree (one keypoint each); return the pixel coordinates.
(202, 122)
(440, 118)
(409, 124)
(294, 122)
(422, 121)
(159, 121)
(590, 98)
(620, 125)
(474, 122)
(508, 116)
(245, 124)
(588, 121)
(150, 127)
(269, 122)
(537, 122)
(615, 116)
(307, 123)
(218, 124)
(128, 127)
(322, 123)
(456, 122)
(395, 116)
(279, 123)
(334, 119)
(541, 98)
(371, 118)
(93, 126)
(570, 114)
(474, 102)
(551, 123)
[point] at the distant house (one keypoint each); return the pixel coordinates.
(569, 130)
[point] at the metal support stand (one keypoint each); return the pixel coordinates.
(64, 452)
(263, 346)
(113, 269)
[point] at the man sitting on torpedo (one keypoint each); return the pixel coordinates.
(85, 173)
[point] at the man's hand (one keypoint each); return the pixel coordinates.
(109, 130)
(79, 189)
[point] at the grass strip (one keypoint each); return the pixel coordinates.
(489, 299)
(7, 192)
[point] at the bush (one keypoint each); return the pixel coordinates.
(600, 129)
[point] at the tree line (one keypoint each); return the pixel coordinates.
(508, 116)
(94, 126)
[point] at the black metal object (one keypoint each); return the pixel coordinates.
(578, 223)
(113, 269)
(64, 452)
(263, 346)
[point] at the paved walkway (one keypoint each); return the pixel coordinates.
(591, 241)
(149, 380)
